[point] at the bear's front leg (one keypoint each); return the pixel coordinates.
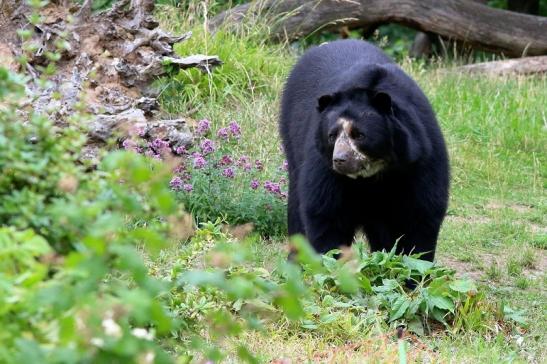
(324, 208)
(327, 233)
(422, 238)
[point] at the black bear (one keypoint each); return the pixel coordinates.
(364, 151)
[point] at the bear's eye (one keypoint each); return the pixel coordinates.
(357, 135)
(332, 136)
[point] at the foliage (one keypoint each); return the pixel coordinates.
(73, 287)
(38, 162)
(95, 303)
(221, 182)
(214, 180)
(353, 294)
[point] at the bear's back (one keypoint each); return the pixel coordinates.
(318, 65)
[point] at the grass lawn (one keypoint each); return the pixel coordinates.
(496, 228)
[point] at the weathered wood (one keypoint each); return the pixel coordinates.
(473, 23)
(110, 60)
(518, 66)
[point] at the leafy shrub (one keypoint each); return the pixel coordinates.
(326, 294)
(73, 287)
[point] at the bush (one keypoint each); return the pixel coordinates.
(214, 180)
(72, 286)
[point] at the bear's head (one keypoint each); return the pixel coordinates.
(361, 133)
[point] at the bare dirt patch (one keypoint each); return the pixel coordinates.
(469, 219)
(500, 259)
(520, 208)
(463, 269)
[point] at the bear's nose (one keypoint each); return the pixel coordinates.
(338, 160)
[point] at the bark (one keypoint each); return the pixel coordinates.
(520, 66)
(109, 61)
(424, 45)
(473, 23)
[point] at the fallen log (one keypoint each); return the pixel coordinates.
(508, 33)
(519, 66)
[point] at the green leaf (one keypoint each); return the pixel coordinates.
(245, 355)
(291, 306)
(347, 281)
(329, 317)
(364, 282)
(387, 286)
(37, 245)
(306, 255)
(517, 316)
(438, 315)
(443, 303)
(416, 326)
(399, 308)
(309, 325)
(463, 285)
(202, 278)
(419, 265)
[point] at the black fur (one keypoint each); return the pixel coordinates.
(408, 199)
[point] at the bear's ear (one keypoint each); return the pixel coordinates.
(382, 102)
(323, 102)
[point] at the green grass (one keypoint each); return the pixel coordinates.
(496, 228)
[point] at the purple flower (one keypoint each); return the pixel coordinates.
(187, 187)
(285, 165)
(199, 161)
(203, 127)
(272, 187)
(228, 172)
(226, 160)
(275, 188)
(259, 165)
(130, 144)
(247, 167)
(207, 146)
(222, 133)
(255, 184)
(242, 160)
(181, 150)
(235, 129)
(176, 183)
(180, 168)
(141, 131)
(159, 144)
(150, 153)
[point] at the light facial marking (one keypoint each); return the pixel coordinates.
(345, 136)
(368, 167)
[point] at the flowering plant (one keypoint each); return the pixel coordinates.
(214, 179)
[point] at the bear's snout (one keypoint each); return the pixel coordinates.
(345, 162)
(345, 158)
